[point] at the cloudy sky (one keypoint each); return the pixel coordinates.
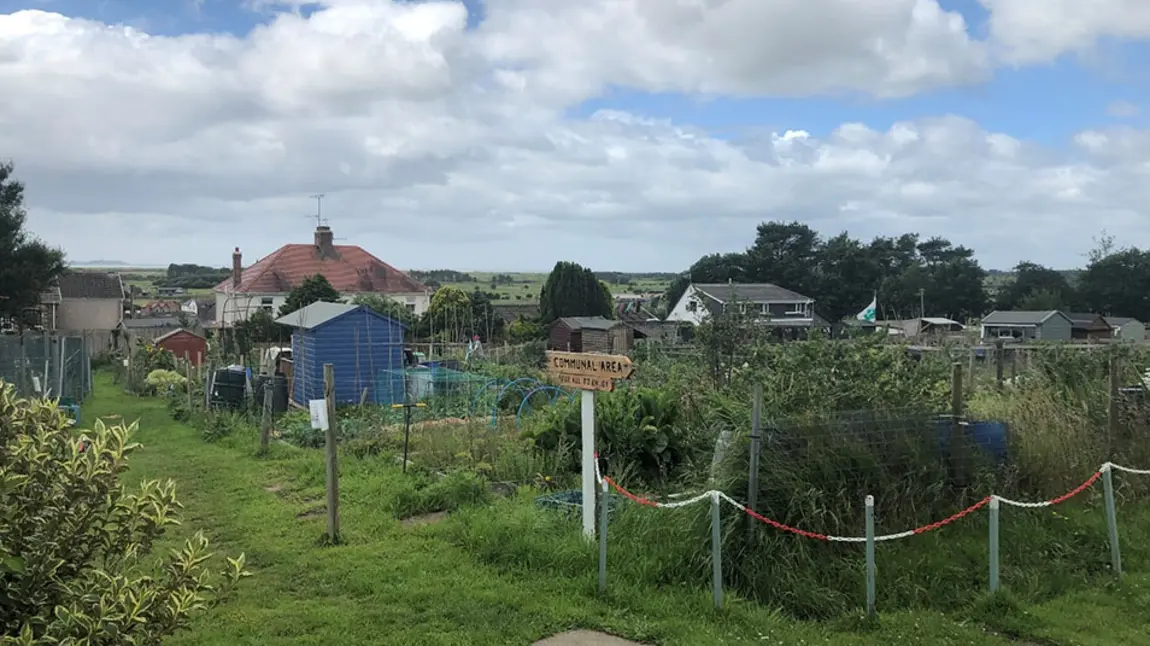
(623, 134)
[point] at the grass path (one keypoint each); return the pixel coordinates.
(393, 584)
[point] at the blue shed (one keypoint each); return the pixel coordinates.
(364, 347)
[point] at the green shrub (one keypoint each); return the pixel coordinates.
(639, 431)
(431, 493)
(76, 562)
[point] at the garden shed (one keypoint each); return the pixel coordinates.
(590, 334)
(184, 343)
(364, 347)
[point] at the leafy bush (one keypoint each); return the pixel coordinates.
(161, 380)
(638, 430)
(76, 545)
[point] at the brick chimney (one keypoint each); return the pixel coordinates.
(237, 268)
(324, 241)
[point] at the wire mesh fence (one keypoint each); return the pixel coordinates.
(42, 365)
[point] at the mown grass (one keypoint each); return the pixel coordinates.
(511, 573)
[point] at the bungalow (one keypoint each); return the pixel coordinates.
(1126, 329)
(1050, 325)
(789, 312)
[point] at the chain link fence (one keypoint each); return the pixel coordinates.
(41, 365)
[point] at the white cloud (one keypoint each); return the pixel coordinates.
(1035, 31)
(440, 146)
(1122, 109)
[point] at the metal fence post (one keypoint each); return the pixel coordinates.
(716, 551)
(756, 449)
(870, 567)
(603, 507)
(994, 505)
(1112, 521)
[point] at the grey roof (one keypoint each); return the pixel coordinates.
(152, 322)
(316, 314)
(753, 292)
(1119, 321)
(1084, 319)
(90, 284)
(589, 322)
(1020, 317)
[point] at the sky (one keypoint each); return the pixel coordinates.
(631, 135)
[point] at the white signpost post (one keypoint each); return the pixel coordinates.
(589, 372)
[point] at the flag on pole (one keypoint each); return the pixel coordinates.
(868, 314)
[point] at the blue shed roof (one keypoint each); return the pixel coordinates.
(320, 313)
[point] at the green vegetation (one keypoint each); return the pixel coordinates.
(509, 573)
(572, 290)
(77, 563)
(28, 266)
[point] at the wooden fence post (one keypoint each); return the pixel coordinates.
(188, 378)
(330, 447)
(266, 420)
(956, 411)
(999, 362)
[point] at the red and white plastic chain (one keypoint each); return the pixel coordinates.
(861, 539)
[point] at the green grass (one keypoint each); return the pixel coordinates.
(388, 583)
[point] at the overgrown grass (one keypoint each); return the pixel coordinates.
(510, 572)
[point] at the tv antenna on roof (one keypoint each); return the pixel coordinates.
(319, 219)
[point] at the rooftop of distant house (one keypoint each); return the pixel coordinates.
(90, 284)
(752, 292)
(349, 268)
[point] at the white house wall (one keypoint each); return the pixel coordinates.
(681, 313)
(232, 307)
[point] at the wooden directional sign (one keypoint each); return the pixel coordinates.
(588, 370)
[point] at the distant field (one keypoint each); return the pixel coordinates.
(512, 287)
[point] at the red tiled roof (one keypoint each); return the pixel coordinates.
(349, 268)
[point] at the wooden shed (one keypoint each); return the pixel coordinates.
(590, 334)
(364, 347)
(184, 343)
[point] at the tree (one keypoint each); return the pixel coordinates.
(28, 267)
(449, 314)
(786, 254)
(76, 561)
(1117, 284)
(388, 307)
(573, 290)
(1029, 280)
(312, 290)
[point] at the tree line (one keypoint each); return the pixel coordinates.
(909, 273)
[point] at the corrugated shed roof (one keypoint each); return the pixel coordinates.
(589, 322)
(90, 284)
(753, 292)
(349, 268)
(316, 314)
(1020, 317)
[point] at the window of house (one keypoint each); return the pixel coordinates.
(764, 308)
(266, 304)
(742, 308)
(796, 310)
(410, 307)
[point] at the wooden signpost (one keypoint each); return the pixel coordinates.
(589, 372)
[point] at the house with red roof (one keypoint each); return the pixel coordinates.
(350, 269)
